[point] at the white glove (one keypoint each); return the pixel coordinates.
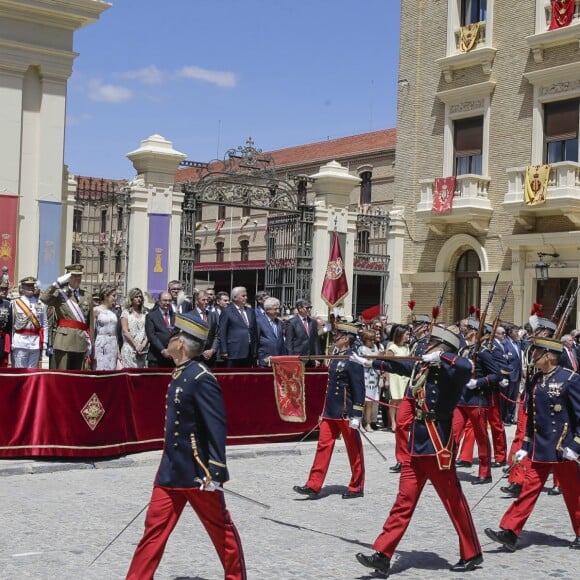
(504, 383)
(471, 384)
(62, 280)
(432, 357)
(208, 486)
(359, 360)
(520, 455)
(354, 423)
(569, 454)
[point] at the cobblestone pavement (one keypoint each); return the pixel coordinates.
(58, 516)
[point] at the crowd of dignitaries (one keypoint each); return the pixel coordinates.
(79, 331)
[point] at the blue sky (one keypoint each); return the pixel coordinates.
(207, 74)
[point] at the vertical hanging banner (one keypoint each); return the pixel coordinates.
(289, 388)
(536, 184)
(158, 256)
(443, 193)
(8, 233)
(562, 13)
(49, 242)
(335, 285)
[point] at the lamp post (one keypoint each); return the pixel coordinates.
(542, 268)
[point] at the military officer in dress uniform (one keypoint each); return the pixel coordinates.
(342, 414)
(73, 316)
(194, 459)
(5, 323)
(29, 326)
(552, 442)
(437, 383)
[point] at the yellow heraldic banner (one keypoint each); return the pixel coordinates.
(289, 388)
(468, 36)
(536, 186)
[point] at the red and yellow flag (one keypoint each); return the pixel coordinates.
(536, 185)
(289, 388)
(443, 193)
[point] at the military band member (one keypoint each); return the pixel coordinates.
(5, 323)
(437, 383)
(29, 326)
(194, 459)
(342, 414)
(73, 314)
(551, 441)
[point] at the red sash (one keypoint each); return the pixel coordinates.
(67, 323)
(34, 331)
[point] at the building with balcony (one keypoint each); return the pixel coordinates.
(487, 153)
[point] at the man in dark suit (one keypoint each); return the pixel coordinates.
(179, 302)
(270, 333)
(302, 333)
(201, 312)
(237, 331)
(261, 297)
(513, 357)
(158, 327)
(568, 358)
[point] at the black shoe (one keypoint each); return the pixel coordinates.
(305, 490)
(462, 463)
(498, 464)
(555, 491)
(352, 494)
(467, 565)
(377, 561)
(396, 468)
(505, 537)
(507, 468)
(575, 545)
(481, 480)
(513, 489)
(374, 427)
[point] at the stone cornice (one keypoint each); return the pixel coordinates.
(53, 63)
(466, 93)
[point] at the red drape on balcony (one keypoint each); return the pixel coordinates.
(443, 193)
(103, 414)
(562, 13)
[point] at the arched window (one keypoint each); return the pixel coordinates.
(467, 284)
(244, 250)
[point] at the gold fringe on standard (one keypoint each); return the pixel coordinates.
(468, 36)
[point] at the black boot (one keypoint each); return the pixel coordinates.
(377, 561)
(467, 565)
(396, 468)
(575, 545)
(505, 537)
(555, 491)
(305, 490)
(513, 489)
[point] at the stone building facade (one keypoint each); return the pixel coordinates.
(486, 89)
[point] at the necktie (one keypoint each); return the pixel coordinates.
(244, 316)
(166, 317)
(203, 316)
(305, 322)
(274, 328)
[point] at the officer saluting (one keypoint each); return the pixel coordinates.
(437, 383)
(73, 314)
(193, 461)
(552, 442)
(345, 397)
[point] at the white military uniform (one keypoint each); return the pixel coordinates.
(29, 331)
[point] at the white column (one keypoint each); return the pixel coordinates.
(332, 187)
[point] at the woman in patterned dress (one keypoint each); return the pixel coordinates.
(106, 344)
(135, 343)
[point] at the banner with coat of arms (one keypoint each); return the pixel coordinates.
(443, 193)
(468, 36)
(8, 232)
(289, 388)
(562, 13)
(335, 285)
(536, 184)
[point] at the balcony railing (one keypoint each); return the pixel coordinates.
(471, 204)
(562, 195)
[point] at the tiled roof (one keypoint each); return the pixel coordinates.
(333, 149)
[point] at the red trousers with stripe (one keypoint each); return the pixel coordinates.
(413, 477)
(518, 470)
(535, 476)
(405, 416)
(329, 432)
(477, 417)
(162, 516)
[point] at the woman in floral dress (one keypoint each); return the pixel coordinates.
(106, 354)
(135, 343)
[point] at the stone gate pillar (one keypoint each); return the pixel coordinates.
(332, 185)
(155, 224)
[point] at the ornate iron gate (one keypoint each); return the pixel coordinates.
(247, 178)
(100, 224)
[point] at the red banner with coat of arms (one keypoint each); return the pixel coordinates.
(8, 233)
(562, 13)
(289, 388)
(335, 285)
(443, 193)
